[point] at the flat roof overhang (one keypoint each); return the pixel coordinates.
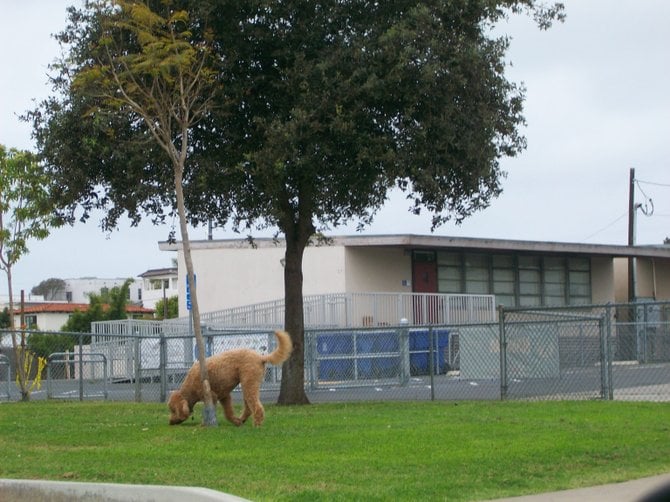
(417, 242)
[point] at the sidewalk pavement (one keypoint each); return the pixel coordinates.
(23, 490)
(653, 489)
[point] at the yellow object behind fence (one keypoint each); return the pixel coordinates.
(28, 358)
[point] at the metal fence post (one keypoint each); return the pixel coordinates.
(81, 366)
(138, 370)
(605, 362)
(645, 332)
(49, 388)
(104, 378)
(610, 357)
(162, 367)
(503, 352)
(403, 345)
(310, 358)
(431, 362)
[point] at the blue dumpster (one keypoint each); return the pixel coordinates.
(335, 344)
(336, 370)
(373, 359)
(419, 350)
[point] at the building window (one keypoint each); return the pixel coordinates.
(579, 281)
(30, 320)
(477, 274)
(555, 279)
(530, 281)
(159, 284)
(517, 279)
(450, 271)
(503, 276)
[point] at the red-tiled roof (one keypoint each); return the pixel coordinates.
(68, 308)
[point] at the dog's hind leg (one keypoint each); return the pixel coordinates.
(251, 391)
(259, 413)
(246, 413)
(253, 406)
(227, 404)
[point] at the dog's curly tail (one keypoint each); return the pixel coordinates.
(283, 350)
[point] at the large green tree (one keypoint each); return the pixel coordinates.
(322, 109)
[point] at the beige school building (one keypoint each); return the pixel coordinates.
(234, 273)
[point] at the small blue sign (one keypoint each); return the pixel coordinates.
(188, 291)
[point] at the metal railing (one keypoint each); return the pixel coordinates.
(364, 309)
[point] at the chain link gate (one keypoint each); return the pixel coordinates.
(640, 348)
(554, 354)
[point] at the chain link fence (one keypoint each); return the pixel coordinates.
(595, 352)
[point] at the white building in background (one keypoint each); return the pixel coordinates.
(156, 284)
(78, 290)
(145, 291)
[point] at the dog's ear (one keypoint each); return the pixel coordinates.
(184, 409)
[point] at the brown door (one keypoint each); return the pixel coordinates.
(424, 280)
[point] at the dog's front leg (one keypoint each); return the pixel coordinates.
(227, 403)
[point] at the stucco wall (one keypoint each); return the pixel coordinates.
(645, 278)
(233, 277)
(379, 269)
(51, 321)
(662, 268)
(621, 280)
(653, 279)
(602, 280)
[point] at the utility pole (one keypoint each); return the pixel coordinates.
(632, 265)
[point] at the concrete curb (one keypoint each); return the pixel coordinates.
(652, 489)
(20, 490)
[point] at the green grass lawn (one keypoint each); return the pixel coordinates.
(352, 451)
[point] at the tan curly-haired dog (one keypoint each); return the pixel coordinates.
(225, 370)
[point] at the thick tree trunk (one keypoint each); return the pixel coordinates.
(292, 389)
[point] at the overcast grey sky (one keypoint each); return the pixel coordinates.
(597, 104)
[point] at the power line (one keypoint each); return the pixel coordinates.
(607, 226)
(667, 185)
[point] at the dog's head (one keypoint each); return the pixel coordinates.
(179, 409)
